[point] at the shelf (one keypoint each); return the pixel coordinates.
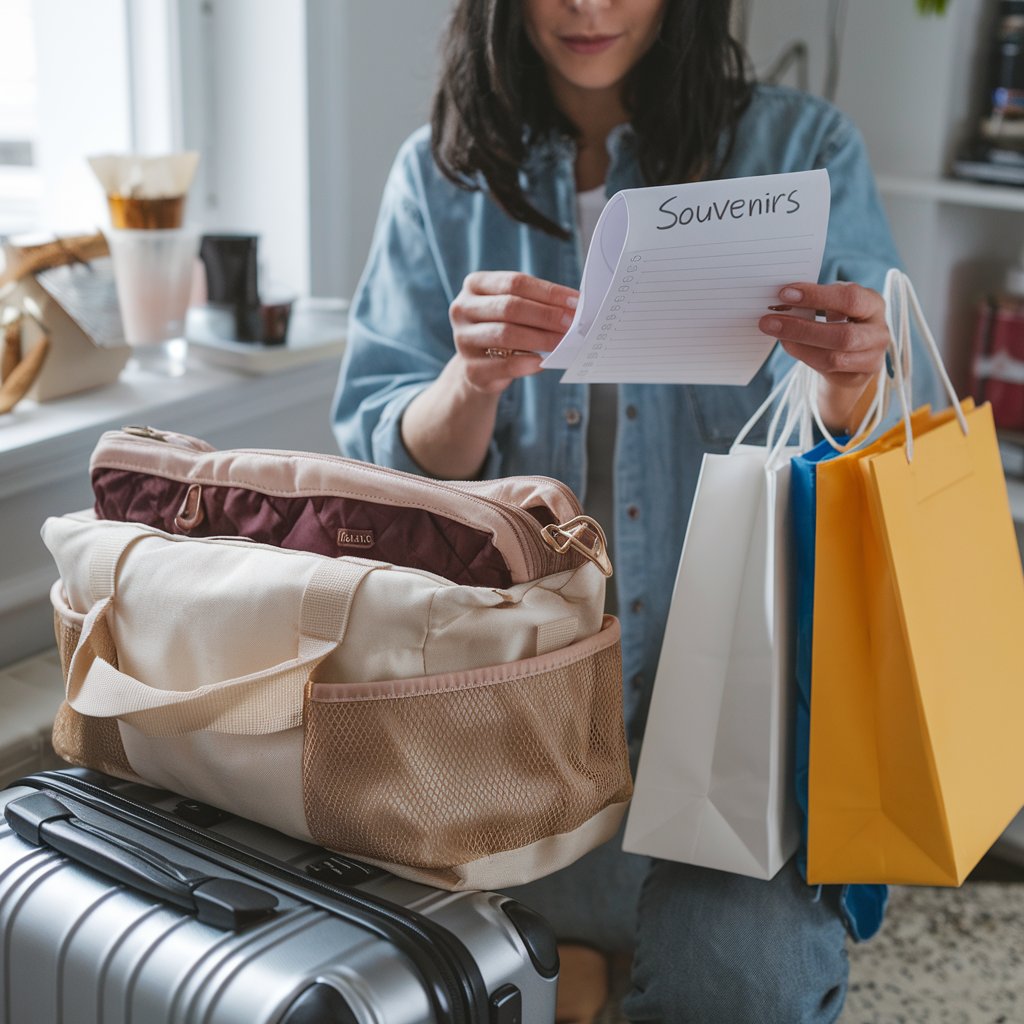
(955, 192)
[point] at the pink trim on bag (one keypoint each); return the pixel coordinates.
(323, 524)
(470, 679)
(490, 506)
(307, 474)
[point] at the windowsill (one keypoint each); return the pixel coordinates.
(45, 450)
(36, 423)
(36, 438)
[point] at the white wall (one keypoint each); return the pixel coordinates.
(298, 108)
(906, 79)
(154, 60)
(372, 69)
(244, 108)
(914, 86)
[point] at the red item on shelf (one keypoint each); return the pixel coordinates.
(997, 360)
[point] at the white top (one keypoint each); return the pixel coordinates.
(589, 205)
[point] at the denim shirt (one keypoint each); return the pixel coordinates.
(430, 234)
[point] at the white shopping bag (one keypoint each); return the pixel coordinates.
(714, 785)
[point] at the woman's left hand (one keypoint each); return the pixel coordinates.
(848, 350)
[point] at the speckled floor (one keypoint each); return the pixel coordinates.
(945, 956)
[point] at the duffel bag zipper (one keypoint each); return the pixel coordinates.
(430, 946)
(542, 547)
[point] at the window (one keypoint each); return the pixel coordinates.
(19, 176)
(77, 79)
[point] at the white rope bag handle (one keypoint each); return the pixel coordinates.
(797, 407)
(787, 401)
(901, 303)
(901, 307)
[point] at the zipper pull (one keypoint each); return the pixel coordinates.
(190, 515)
(168, 437)
(582, 534)
(147, 432)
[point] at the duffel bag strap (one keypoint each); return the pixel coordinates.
(259, 703)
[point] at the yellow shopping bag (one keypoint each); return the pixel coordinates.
(917, 697)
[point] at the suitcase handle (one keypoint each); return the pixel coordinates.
(222, 903)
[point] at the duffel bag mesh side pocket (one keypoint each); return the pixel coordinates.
(440, 771)
(90, 742)
(79, 739)
(67, 627)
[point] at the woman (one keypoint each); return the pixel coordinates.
(545, 107)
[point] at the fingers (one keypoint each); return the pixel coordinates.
(492, 375)
(507, 314)
(835, 363)
(852, 341)
(511, 298)
(474, 339)
(847, 347)
(842, 298)
(524, 286)
(510, 309)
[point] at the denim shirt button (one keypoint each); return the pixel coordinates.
(637, 607)
(573, 416)
(630, 412)
(633, 511)
(637, 681)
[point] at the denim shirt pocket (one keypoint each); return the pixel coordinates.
(721, 411)
(503, 461)
(508, 405)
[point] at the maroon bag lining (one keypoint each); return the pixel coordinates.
(323, 524)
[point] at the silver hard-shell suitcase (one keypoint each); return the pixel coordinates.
(121, 904)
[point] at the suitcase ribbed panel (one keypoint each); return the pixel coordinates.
(80, 949)
(77, 948)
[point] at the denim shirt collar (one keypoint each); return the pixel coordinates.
(557, 151)
(623, 172)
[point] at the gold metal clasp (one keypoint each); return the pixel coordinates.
(584, 535)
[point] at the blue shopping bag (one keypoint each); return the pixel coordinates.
(863, 906)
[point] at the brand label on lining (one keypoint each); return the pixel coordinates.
(355, 538)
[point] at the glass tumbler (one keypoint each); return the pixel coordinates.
(153, 272)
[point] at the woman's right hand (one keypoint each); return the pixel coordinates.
(501, 311)
(447, 427)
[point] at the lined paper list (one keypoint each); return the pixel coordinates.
(677, 277)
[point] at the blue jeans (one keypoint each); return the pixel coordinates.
(708, 946)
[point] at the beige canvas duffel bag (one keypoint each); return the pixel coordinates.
(464, 736)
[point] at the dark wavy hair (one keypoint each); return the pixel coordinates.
(685, 97)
